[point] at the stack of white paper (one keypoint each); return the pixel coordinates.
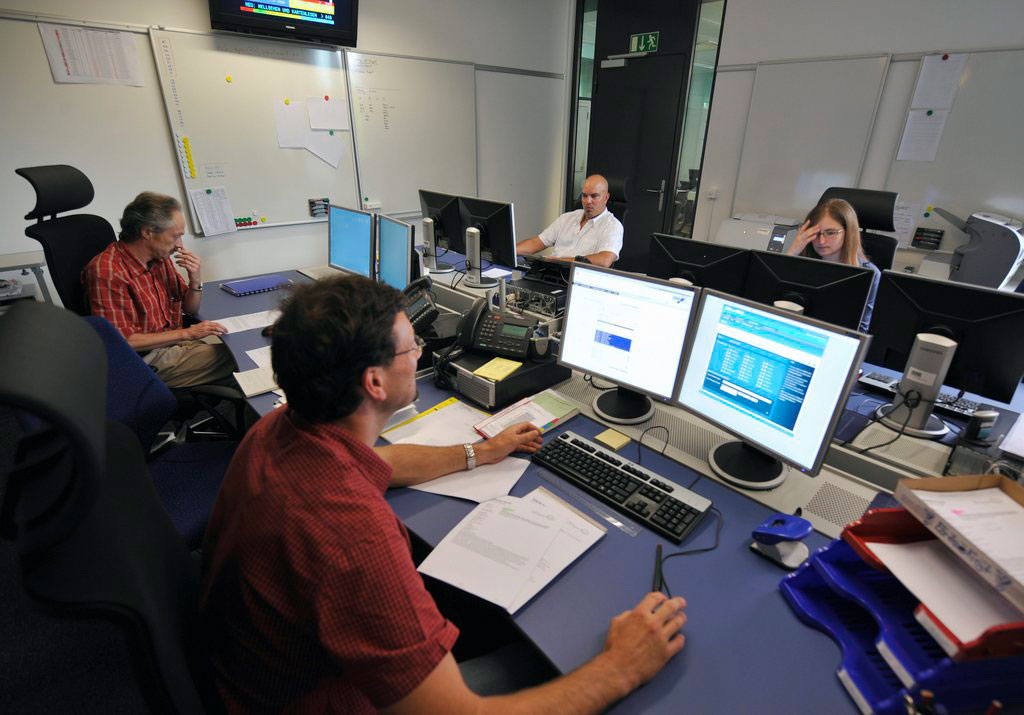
(508, 549)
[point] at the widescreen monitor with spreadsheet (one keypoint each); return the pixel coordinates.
(395, 248)
(350, 240)
(776, 380)
(629, 330)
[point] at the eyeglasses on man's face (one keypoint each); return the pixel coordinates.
(418, 348)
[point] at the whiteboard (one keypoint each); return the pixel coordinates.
(220, 92)
(414, 122)
(979, 159)
(808, 129)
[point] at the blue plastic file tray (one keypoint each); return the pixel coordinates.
(877, 603)
(863, 672)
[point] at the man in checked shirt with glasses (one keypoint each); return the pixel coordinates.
(133, 284)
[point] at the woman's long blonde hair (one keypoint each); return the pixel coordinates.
(842, 213)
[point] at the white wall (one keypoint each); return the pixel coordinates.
(765, 30)
(521, 125)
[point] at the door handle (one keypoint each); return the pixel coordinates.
(661, 194)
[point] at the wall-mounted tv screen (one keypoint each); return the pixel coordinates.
(307, 20)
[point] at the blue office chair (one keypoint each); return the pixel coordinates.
(92, 543)
(186, 475)
(69, 242)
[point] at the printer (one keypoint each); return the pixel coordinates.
(994, 252)
(757, 230)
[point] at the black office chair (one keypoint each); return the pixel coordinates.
(874, 213)
(69, 242)
(618, 203)
(93, 542)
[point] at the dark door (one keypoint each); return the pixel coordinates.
(636, 115)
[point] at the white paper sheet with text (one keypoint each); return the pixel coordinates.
(451, 424)
(251, 321)
(214, 210)
(79, 55)
(488, 481)
(256, 381)
(260, 356)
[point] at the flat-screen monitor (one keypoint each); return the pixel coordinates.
(629, 330)
(707, 265)
(444, 210)
(775, 380)
(350, 240)
(306, 20)
(987, 325)
(833, 292)
(497, 225)
(395, 251)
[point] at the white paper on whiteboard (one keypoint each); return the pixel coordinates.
(327, 114)
(292, 128)
(938, 81)
(922, 135)
(81, 56)
(904, 220)
(329, 146)
(214, 210)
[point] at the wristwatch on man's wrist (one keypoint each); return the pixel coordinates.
(581, 259)
(470, 457)
(197, 290)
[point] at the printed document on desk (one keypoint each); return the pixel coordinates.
(252, 321)
(507, 549)
(488, 481)
(449, 422)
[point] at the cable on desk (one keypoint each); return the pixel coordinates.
(690, 552)
(874, 418)
(640, 442)
(590, 379)
(912, 399)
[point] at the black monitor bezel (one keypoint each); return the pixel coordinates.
(638, 277)
(411, 230)
(469, 216)
(373, 238)
(278, 27)
(729, 253)
(457, 242)
(815, 266)
(957, 377)
(844, 395)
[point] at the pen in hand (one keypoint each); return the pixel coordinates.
(656, 586)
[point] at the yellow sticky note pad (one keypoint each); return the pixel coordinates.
(497, 369)
(612, 439)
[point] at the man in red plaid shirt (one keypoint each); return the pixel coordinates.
(133, 283)
(310, 598)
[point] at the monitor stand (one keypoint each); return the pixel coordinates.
(430, 261)
(473, 277)
(923, 376)
(623, 406)
(747, 467)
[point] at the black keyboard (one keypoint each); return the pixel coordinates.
(947, 401)
(663, 507)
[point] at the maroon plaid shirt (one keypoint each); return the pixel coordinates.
(134, 298)
(310, 595)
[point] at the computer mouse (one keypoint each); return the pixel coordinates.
(267, 331)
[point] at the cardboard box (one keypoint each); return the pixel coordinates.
(906, 492)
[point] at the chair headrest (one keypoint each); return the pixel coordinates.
(59, 187)
(874, 208)
(618, 187)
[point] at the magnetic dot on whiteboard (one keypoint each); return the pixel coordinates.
(263, 219)
(287, 101)
(331, 132)
(228, 79)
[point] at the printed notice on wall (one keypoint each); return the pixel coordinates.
(922, 135)
(938, 81)
(78, 55)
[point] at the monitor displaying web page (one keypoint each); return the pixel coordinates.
(350, 240)
(777, 382)
(395, 244)
(626, 328)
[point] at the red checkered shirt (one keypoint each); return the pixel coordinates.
(134, 298)
(310, 595)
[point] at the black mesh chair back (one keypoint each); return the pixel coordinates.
(69, 242)
(92, 538)
(874, 213)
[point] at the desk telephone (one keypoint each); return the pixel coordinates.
(499, 333)
(419, 305)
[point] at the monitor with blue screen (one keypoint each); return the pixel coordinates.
(775, 380)
(350, 240)
(395, 246)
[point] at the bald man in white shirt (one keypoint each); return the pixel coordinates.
(591, 232)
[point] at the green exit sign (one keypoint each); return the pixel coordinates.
(644, 42)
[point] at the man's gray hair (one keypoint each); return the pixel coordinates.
(147, 210)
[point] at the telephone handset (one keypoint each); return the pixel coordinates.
(495, 332)
(419, 305)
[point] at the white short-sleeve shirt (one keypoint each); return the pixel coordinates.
(601, 233)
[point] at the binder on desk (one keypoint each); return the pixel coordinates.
(260, 284)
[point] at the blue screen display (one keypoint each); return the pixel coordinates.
(350, 240)
(395, 252)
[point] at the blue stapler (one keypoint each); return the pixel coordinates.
(779, 538)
